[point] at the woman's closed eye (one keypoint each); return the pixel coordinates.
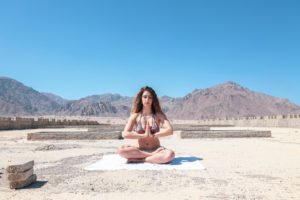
(145, 96)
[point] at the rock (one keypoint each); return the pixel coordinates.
(22, 183)
(19, 168)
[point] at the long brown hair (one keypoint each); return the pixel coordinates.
(138, 104)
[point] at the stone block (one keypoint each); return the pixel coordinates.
(20, 175)
(20, 168)
(22, 183)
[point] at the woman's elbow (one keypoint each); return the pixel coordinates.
(171, 131)
(125, 134)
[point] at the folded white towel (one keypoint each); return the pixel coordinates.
(116, 162)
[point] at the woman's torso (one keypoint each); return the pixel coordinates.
(147, 143)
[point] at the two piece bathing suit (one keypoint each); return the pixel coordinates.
(154, 128)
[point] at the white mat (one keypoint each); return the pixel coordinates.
(116, 162)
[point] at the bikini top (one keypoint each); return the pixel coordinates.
(154, 128)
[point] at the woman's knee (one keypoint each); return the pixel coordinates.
(122, 149)
(169, 156)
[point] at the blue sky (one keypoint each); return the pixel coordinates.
(78, 48)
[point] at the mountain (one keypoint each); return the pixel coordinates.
(115, 99)
(225, 100)
(59, 100)
(98, 105)
(18, 99)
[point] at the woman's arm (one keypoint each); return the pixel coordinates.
(128, 132)
(167, 127)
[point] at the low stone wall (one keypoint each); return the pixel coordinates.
(284, 121)
(74, 135)
(188, 127)
(224, 134)
(105, 128)
(10, 123)
(100, 132)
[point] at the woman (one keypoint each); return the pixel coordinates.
(144, 125)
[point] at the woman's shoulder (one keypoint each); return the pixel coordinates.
(133, 116)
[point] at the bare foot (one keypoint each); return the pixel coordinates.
(158, 150)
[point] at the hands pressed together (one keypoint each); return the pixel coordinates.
(148, 131)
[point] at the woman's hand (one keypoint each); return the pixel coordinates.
(147, 130)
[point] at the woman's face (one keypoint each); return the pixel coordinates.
(147, 98)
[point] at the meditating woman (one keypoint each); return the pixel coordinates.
(144, 125)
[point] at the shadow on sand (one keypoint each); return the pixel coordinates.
(35, 185)
(182, 159)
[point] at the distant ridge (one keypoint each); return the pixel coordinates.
(224, 100)
(18, 99)
(227, 100)
(56, 98)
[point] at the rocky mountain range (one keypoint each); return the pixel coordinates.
(225, 100)
(18, 99)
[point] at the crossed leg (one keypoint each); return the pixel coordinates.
(134, 154)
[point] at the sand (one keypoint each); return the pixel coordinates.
(236, 168)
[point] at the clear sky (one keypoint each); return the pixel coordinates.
(77, 48)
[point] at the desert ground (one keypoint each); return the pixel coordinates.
(236, 168)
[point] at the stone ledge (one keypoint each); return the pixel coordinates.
(224, 134)
(73, 135)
